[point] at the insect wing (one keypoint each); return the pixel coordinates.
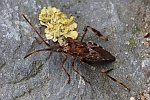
(104, 54)
(97, 53)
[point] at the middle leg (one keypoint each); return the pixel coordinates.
(62, 65)
(77, 71)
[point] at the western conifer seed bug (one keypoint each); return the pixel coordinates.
(78, 49)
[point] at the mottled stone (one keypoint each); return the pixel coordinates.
(40, 77)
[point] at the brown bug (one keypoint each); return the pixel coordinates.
(83, 51)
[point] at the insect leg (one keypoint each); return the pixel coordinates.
(52, 49)
(78, 72)
(36, 52)
(107, 71)
(95, 31)
(35, 30)
(62, 65)
(39, 41)
(42, 41)
(94, 69)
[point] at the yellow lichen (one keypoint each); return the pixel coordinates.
(57, 24)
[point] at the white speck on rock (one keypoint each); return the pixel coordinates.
(146, 63)
(81, 82)
(126, 53)
(132, 98)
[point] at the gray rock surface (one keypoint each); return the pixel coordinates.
(40, 76)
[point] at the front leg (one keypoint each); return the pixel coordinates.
(35, 30)
(40, 42)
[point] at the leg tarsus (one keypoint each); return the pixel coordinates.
(107, 71)
(38, 40)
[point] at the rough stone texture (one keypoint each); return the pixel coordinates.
(40, 76)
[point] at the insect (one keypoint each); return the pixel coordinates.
(78, 49)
